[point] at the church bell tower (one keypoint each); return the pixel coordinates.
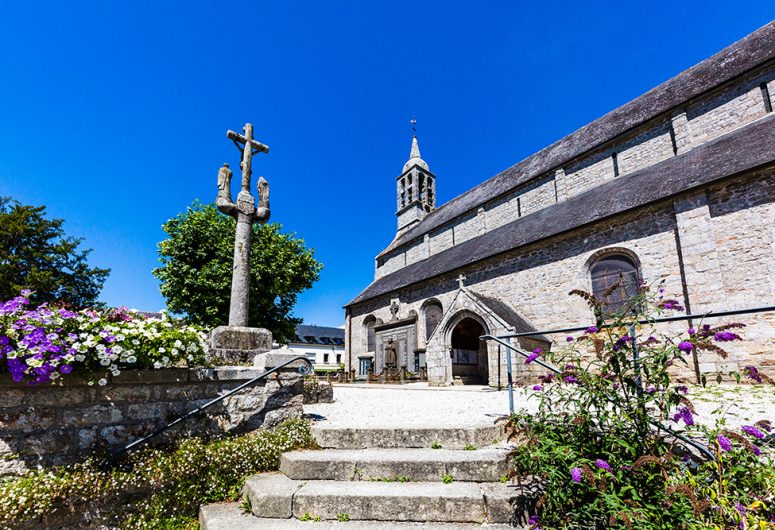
(415, 190)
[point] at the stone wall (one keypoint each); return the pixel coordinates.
(720, 111)
(51, 425)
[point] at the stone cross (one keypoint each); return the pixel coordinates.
(246, 214)
(460, 280)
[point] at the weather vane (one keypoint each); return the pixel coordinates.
(413, 121)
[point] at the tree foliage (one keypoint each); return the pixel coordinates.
(196, 270)
(36, 254)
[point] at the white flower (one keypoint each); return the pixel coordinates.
(131, 359)
(102, 382)
(165, 360)
(136, 342)
(117, 349)
(80, 358)
(104, 362)
(157, 365)
(174, 351)
(162, 350)
(120, 337)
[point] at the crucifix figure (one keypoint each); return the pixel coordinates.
(460, 280)
(246, 214)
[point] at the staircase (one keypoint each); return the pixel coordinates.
(380, 478)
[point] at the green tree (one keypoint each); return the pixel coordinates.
(35, 253)
(197, 262)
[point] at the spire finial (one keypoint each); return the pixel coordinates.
(413, 121)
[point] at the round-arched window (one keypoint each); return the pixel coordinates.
(432, 318)
(615, 281)
(369, 324)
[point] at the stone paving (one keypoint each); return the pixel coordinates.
(418, 405)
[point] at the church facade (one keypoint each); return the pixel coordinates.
(676, 186)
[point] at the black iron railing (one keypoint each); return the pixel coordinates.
(500, 339)
(304, 369)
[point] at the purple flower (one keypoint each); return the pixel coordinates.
(546, 378)
(753, 373)
(591, 329)
(65, 368)
(575, 474)
(533, 356)
(684, 414)
(756, 450)
(724, 442)
(685, 346)
(726, 336)
(570, 379)
(753, 431)
(691, 331)
(651, 390)
(568, 339)
(602, 464)
(537, 387)
(682, 389)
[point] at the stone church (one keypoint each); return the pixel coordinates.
(676, 185)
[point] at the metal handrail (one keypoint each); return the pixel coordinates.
(704, 450)
(305, 369)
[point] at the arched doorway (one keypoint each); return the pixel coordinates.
(469, 354)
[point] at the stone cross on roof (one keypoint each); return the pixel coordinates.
(460, 280)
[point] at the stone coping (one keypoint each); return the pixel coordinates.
(162, 375)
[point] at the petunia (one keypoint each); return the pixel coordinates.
(65, 368)
(575, 474)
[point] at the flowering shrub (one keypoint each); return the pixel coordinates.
(162, 491)
(598, 450)
(43, 344)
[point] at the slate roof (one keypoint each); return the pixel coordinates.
(508, 314)
(742, 56)
(742, 150)
(306, 334)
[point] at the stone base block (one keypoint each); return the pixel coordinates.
(230, 345)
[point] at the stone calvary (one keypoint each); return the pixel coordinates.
(238, 343)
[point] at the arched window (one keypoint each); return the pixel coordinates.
(614, 281)
(432, 318)
(368, 325)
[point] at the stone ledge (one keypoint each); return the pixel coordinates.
(162, 375)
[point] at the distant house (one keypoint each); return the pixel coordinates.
(322, 345)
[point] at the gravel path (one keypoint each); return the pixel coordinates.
(417, 405)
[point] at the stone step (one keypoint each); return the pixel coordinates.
(277, 496)
(418, 465)
(229, 516)
(329, 437)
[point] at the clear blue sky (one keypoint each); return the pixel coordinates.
(114, 114)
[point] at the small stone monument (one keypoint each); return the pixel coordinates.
(237, 343)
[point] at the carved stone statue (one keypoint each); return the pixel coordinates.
(224, 184)
(262, 212)
(390, 354)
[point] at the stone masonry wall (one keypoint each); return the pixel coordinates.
(721, 111)
(714, 248)
(51, 425)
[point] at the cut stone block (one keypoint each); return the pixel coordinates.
(271, 494)
(383, 501)
(449, 438)
(482, 465)
(229, 516)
